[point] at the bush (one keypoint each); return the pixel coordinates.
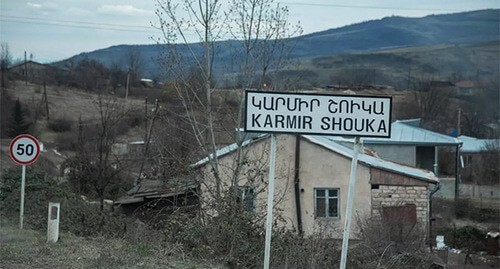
(232, 237)
(466, 238)
(235, 237)
(60, 125)
(77, 215)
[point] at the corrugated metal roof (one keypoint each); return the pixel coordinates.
(404, 132)
(473, 145)
(373, 161)
(228, 149)
(329, 143)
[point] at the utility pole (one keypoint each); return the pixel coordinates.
(46, 100)
(25, 69)
(128, 85)
(146, 146)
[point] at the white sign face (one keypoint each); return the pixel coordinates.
(24, 149)
(298, 113)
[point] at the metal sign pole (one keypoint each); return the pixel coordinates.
(21, 209)
(350, 203)
(270, 201)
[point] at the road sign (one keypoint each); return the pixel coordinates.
(24, 149)
(319, 114)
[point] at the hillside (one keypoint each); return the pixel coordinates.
(376, 35)
(478, 62)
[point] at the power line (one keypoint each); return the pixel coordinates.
(76, 26)
(85, 25)
(75, 22)
(366, 6)
(96, 27)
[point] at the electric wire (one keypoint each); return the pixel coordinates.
(367, 6)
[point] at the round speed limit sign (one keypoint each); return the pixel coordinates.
(24, 149)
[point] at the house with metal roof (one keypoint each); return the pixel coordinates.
(479, 160)
(411, 145)
(33, 72)
(311, 183)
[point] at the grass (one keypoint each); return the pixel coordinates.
(28, 249)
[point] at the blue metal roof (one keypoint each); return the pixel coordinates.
(475, 145)
(407, 132)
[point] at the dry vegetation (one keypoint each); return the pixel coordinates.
(28, 249)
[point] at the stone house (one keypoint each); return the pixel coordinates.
(311, 183)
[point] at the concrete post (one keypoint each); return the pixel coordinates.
(53, 222)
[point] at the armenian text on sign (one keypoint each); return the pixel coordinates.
(277, 112)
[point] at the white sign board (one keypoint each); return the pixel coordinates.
(299, 113)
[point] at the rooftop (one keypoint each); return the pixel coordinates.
(366, 157)
(474, 145)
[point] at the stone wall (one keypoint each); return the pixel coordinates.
(388, 195)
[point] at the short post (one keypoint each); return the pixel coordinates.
(53, 222)
(350, 203)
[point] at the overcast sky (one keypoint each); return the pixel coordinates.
(56, 29)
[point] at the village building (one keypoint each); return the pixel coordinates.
(467, 88)
(412, 145)
(157, 199)
(32, 71)
(311, 184)
(474, 153)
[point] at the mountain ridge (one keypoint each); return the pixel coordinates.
(374, 35)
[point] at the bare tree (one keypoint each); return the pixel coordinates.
(96, 169)
(259, 26)
(5, 62)
(430, 102)
(90, 75)
(135, 64)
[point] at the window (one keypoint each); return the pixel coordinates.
(246, 196)
(326, 203)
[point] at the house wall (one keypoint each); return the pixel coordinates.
(402, 154)
(320, 168)
(255, 174)
(398, 190)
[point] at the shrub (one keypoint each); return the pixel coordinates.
(232, 237)
(77, 215)
(466, 238)
(60, 125)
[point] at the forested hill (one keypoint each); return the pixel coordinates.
(375, 35)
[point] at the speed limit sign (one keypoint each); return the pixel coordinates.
(24, 149)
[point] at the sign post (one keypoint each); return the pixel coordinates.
(270, 203)
(24, 150)
(317, 114)
(350, 203)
